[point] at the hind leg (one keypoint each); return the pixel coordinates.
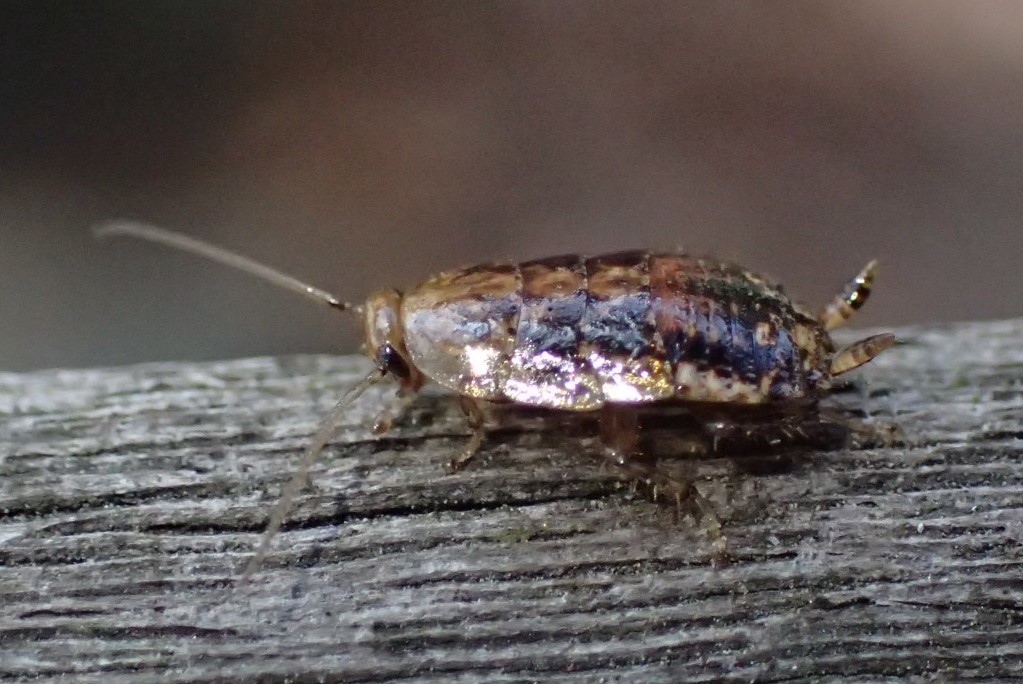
(808, 426)
(865, 434)
(770, 446)
(802, 427)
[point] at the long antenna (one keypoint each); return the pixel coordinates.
(204, 249)
(298, 480)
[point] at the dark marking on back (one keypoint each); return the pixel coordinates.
(619, 321)
(553, 304)
(707, 313)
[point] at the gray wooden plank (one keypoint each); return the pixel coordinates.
(131, 496)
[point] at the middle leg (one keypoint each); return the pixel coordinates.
(620, 435)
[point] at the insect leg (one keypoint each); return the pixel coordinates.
(802, 426)
(390, 413)
(620, 434)
(863, 434)
(619, 431)
(474, 417)
(811, 427)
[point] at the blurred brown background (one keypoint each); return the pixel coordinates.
(360, 145)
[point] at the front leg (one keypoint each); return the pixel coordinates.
(385, 419)
(475, 418)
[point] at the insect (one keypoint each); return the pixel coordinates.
(607, 333)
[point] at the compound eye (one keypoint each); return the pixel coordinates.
(390, 361)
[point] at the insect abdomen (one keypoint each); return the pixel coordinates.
(574, 333)
(727, 334)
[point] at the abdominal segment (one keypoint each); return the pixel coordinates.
(575, 333)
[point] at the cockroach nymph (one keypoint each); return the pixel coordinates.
(572, 333)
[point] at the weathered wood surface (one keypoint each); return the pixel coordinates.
(130, 497)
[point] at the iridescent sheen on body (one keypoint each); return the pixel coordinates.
(572, 332)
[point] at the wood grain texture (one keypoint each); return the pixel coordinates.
(130, 497)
